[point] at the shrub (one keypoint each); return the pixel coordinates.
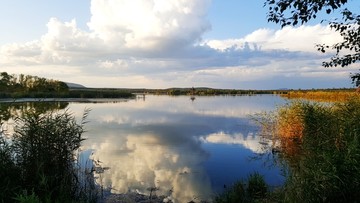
(290, 123)
(25, 198)
(257, 188)
(326, 167)
(234, 194)
(41, 157)
(253, 189)
(320, 144)
(9, 172)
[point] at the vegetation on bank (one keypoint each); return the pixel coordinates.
(319, 146)
(209, 91)
(327, 167)
(330, 95)
(205, 91)
(197, 91)
(98, 93)
(13, 86)
(39, 162)
(253, 189)
(27, 86)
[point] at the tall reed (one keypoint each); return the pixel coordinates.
(321, 144)
(253, 189)
(38, 163)
(322, 95)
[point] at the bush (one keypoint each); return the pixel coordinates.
(251, 190)
(44, 146)
(9, 172)
(257, 188)
(234, 194)
(25, 198)
(290, 121)
(326, 167)
(41, 159)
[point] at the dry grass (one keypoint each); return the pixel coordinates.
(290, 121)
(323, 96)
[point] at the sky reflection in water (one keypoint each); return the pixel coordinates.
(192, 148)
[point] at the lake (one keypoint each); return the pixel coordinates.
(186, 149)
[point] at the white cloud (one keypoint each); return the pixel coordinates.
(248, 141)
(26, 54)
(116, 65)
(138, 162)
(158, 44)
(303, 38)
(149, 24)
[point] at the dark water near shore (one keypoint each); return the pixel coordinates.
(187, 149)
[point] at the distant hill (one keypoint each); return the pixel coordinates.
(74, 85)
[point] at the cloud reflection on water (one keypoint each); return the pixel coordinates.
(138, 162)
(249, 141)
(159, 142)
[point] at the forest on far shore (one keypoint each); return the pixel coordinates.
(28, 86)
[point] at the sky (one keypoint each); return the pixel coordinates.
(165, 43)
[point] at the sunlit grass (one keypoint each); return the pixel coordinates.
(290, 121)
(320, 142)
(322, 95)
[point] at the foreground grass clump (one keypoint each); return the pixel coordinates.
(321, 145)
(254, 189)
(37, 164)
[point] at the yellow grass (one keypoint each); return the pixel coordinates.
(324, 96)
(290, 123)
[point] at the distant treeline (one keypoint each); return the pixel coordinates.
(204, 91)
(27, 86)
(209, 91)
(15, 86)
(98, 93)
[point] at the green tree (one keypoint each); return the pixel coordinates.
(5, 79)
(294, 12)
(30, 86)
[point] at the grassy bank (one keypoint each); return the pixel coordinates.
(39, 162)
(77, 93)
(320, 146)
(335, 95)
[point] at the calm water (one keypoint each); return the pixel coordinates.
(192, 148)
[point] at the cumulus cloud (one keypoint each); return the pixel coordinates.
(138, 162)
(151, 24)
(249, 141)
(158, 44)
(299, 39)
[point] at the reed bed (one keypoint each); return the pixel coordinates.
(322, 96)
(320, 144)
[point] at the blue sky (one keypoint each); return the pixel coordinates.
(164, 43)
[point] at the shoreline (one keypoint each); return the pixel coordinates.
(79, 100)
